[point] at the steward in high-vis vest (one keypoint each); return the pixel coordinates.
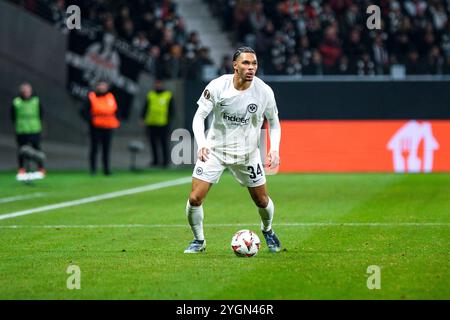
(156, 115)
(101, 112)
(26, 116)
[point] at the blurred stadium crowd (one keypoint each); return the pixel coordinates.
(153, 26)
(331, 37)
(291, 37)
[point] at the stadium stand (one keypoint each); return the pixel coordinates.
(330, 36)
(291, 38)
(301, 37)
(155, 27)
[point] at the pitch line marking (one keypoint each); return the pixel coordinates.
(303, 224)
(111, 195)
(24, 197)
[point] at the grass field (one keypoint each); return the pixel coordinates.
(332, 227)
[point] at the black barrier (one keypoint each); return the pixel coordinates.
(349, 100)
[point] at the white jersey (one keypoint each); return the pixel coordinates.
(237, 117)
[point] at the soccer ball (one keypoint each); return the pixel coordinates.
(245, 243)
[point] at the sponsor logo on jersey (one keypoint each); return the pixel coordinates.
(252, 108)
(207, 94)
(235, 119)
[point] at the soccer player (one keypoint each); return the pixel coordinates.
(239, 102)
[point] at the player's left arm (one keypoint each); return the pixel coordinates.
(271, 114)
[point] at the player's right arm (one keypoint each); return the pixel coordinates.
(205, 106)
(198, 126)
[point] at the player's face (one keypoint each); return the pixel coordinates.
(246, 66)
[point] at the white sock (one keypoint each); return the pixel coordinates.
(195, 218)
(267, 216)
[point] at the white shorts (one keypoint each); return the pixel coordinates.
(250, 174)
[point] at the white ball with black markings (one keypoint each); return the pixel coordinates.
(245, 243)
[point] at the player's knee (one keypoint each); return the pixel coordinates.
(195, 200)
(262, 201)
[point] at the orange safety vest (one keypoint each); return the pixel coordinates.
(103, 111)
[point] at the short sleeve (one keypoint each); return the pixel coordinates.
(207, 99)
(271, 110)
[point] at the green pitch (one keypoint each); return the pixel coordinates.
(332, 227)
